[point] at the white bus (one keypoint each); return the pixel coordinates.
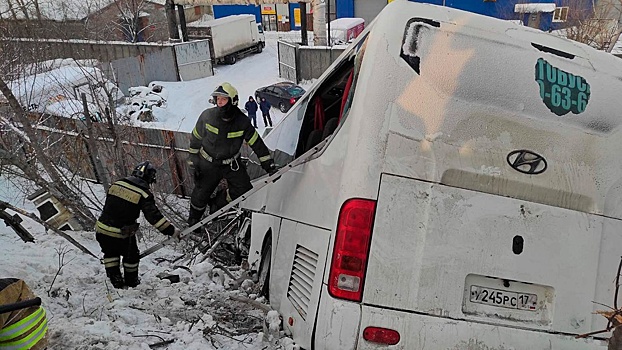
(468, 194)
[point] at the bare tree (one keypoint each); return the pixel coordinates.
(595, 26)
(55, 152)
(130, 19)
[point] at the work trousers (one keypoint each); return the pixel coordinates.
(115, 248)
(209, 175)
(253, 118)
(266, 119)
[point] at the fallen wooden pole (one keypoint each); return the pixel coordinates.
(49, 227)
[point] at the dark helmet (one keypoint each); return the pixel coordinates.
(145, 171)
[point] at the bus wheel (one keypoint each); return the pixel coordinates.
(264, 270)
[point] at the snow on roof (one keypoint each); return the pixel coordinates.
(228, 19)
(534, 7)
(201, 22)
(345, 23)
(57, 10)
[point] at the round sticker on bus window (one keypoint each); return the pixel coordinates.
(561, 92)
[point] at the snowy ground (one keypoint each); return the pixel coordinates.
(85, 312)
(186, 100)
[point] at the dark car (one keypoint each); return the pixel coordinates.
(282, 95)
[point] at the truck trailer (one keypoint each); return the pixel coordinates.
(230, 37)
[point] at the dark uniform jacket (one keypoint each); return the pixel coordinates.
(125, 200)
(265, 106)
(216, 139)
(251, 107)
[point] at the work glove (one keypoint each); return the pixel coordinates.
(269, 167)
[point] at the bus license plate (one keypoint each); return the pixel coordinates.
(503, 298)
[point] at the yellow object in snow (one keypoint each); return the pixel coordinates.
(23, 328)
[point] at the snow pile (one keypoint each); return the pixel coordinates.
(204, 310)
(85, 312)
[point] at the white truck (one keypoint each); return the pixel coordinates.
(230, 37)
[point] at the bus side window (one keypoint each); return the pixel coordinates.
(324, 110)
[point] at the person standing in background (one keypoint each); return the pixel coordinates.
(265, 111)
(251, 108)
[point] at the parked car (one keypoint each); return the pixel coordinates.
(282, 95)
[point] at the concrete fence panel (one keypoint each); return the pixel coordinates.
(288, 60)
(298, 63)
(193, 60)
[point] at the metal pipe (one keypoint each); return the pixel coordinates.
(20, 305)
(328, 13)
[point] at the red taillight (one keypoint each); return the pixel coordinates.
(292, 101)
(381, 335)
(347, 271)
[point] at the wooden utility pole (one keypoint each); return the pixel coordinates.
(182, 22)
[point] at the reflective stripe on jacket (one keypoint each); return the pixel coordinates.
(24, 328)
(221, 139)
(125, 200)
(25, 333)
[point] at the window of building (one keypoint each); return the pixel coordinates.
(47, 210)
(561, 14)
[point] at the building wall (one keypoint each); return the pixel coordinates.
(228, 10)
(284, 15)
(504, 9)
(294, 16)
(100, 25)
(45, 29)
(103, 24)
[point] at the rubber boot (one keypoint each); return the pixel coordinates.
(194, 217)
(114, 274)
(131, 279)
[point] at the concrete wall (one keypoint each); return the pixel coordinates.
(313, 61)
(80, 49)
(228, 10)
(127, 64)
(298, 63)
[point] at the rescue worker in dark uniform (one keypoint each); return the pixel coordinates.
(215, 151)
(116, 227)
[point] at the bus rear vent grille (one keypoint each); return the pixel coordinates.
(301, 279)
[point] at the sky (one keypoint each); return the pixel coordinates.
(85, 312)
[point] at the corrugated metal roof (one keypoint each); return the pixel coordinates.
(57, 10)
